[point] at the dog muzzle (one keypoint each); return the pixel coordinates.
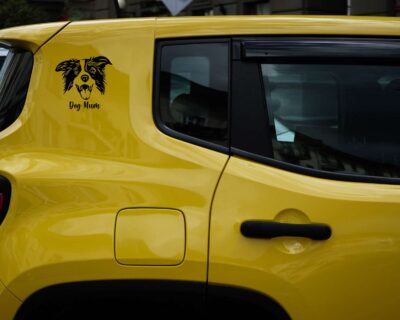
(84, 90)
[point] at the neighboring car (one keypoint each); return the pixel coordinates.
(185, 165)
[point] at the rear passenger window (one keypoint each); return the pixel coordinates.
(193, 90)
(15, 71)
(339, 118)
(318, 106)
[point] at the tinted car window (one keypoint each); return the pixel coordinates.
(3, 55)
(337, 118)
(194, 90)
(15, 71)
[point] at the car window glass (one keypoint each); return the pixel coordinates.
(337, 118)
(187, 70)
(3, 55)
(194, 90)
(15, 71)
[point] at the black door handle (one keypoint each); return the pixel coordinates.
(264, 229)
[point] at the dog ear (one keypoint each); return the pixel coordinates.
(101, 61)
(67, 65)
(70, 69)
(98, 63)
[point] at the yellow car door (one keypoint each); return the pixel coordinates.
(307, 212)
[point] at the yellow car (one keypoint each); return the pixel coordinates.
(181, 166)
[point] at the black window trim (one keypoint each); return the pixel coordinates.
(312, 172)
(292, 49)
(156, 92)
(5, 44)
(237, 49)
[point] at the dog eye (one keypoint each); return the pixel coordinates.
(92, 70)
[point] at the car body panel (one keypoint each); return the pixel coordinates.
(9, 304)
(31, 37)
(73, 166)
(331, 279)
(73, 171)
(279, 25)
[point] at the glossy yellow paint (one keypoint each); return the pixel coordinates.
(285, 25)
(150, 236)
(73, 171)
(9, 304)
(31, 37)
(353, 275)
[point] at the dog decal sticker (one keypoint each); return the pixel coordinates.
(85, 75)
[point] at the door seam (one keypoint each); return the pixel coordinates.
(209, 220)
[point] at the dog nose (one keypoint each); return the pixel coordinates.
(85, 77)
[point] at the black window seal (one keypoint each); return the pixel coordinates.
(314, 48)
(348, 177)
(5, 44)
(267, 159)
(156, 92)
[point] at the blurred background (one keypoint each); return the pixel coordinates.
(19, 12)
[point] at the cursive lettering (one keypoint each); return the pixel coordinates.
(88, 105)
(73, 105)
